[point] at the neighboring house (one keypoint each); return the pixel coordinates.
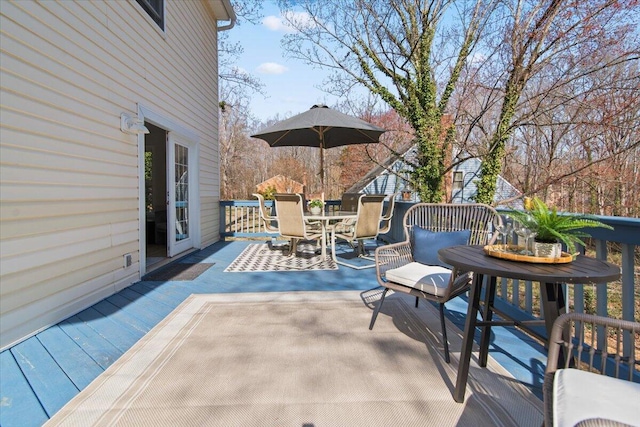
(463, 187)
(282, 184)
(391, 177)
(88, 204)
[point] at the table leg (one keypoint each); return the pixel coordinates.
(489, 297)
(324, 240)
(553, 305)
(467, 340)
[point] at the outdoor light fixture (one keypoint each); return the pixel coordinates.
(133, 125)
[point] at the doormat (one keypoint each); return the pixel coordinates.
(262, 257)
(178, 272)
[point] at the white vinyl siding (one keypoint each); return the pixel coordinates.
(69, 183)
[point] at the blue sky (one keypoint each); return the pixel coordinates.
(289, 85)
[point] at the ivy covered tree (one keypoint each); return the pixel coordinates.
(401, 51)
(544, 46)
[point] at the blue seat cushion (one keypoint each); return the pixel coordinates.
(426, 244)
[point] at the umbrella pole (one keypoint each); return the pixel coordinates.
(321, 160)
(322, 168)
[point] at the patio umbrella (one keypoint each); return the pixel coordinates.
(321, 127)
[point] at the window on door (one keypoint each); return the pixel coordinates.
(182, 191)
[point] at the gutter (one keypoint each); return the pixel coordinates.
(230, 13)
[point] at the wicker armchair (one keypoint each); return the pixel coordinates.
(397, 269)
(584, 381)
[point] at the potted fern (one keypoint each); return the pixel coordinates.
(550, 229)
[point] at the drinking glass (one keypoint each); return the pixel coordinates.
(525, 230)
(501, 229)
(522, 231)
(530, 235)
(508, 232)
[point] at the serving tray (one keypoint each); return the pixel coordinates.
(512, 254)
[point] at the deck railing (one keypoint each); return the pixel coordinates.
(240, 218)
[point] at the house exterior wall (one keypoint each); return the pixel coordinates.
(70, 179)
(387, 183)
(506, 194)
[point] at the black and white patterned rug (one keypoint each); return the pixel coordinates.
(263, 257)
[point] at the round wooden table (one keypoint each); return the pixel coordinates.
(551, 276)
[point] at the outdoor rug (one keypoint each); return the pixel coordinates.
(178, 272)
(297, 359)
(264, 257)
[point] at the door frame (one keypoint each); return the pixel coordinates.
(149, 115)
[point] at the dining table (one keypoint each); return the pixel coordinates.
(551, 276)
(325, 218)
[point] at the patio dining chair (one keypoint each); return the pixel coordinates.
(413, 267)
(292, 223)
(349, 202)
(598, 383)
(366, 226)
(385, 220)
(269, 222)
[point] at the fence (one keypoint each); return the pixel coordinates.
(240, 218)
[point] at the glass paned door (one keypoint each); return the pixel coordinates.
(181, 165)
(180, 203)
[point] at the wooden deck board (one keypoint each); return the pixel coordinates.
(148, 317)
(124, 318)
(74, 361)
(112, 331)
(19, 406)
(48, 381)
(97, 347)
(104, 332)
(159, 294)
(147, 303)
(172, 289)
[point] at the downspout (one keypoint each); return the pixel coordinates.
(232, 16)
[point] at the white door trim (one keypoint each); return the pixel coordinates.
(185, 134)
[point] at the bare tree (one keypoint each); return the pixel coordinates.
(247, 11)
(238, 170)
(400, 51)
(557, 43)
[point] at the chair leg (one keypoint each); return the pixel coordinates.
(377, 310)
(293, 247)
(444, 335)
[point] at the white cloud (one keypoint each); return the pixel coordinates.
(300, 19)
(271, 68)
(276, 23)
(281, 23)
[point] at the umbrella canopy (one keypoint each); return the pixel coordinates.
(321, 127)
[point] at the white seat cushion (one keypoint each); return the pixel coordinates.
(432, 279)
(581, 395)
